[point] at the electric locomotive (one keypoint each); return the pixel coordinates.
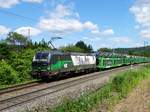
(52, 63)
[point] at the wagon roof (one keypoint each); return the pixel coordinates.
(67, 53)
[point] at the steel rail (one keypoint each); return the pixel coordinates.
(19, 87)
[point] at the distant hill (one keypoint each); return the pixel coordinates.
(139, 51)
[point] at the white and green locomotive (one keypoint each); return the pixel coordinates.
(53, 63)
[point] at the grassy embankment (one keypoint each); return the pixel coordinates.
(105, 98)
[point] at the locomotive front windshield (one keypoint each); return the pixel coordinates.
(41, 56)
(41, 59)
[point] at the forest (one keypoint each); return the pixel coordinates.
(136, 51)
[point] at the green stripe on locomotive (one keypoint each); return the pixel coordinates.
(60, 65)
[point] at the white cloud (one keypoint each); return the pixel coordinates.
(141, 11)
(26, 30)
(11, 3)
(92, 39)
(4, 30)
(61, 11)
(106, 32)
(54, 3)
(22, 30)
(145, 33)
(33, 1)
(64, 20)
(60, 26)
(142, 14)
(122, 40)
(90, 25)
(8, 3)
(96, 32)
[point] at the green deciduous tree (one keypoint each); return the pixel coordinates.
(86, 48)
(105, 50)
(5, 52)
(78, 47)
(22, 63)
(16, 39)
(71, 48)
(7, 74)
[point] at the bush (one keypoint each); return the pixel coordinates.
(22, 64)
(4, 51)
(7, 74)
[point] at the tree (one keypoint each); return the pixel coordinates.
(43, 43)
(105, 50)
(4, 51)
(16, 39)
(71, 48)
(131, 52)
(86, 48)
(81, 45)
(30, 44)
(7, 74)
(90, 49)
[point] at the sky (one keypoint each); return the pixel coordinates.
(101, 23)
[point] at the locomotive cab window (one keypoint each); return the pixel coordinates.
(41, 56)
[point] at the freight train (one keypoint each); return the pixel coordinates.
(55, 63)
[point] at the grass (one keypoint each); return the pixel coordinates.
(107, 96)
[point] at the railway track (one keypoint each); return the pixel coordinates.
(19, 87)
(53, 88)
